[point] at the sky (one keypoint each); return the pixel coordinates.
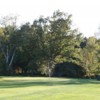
(85, 13)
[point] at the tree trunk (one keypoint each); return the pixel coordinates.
(9, 57)
(49, 68)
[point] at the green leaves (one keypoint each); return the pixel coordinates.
(46, 42)
(88, 56)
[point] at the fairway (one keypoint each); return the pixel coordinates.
(32, 88)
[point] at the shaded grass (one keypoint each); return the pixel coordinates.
(28, 88)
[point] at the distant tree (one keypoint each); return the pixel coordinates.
(88, 56)
(8, 39)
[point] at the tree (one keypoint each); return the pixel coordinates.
(56, 36)
(88, 56)
(30, 48)
(8, 41)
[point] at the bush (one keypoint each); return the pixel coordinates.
(98, 77)
(68, 69)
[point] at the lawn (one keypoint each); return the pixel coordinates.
(36, 88)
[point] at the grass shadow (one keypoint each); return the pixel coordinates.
(47, 82)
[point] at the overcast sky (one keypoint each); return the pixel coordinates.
(86, 14)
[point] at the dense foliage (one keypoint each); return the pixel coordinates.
(49, 46)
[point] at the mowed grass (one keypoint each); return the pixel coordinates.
(36, 88)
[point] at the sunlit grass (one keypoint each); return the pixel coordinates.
(28, 88)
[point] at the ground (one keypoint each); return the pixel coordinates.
(39, 88)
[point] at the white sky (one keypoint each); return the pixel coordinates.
(86, 14)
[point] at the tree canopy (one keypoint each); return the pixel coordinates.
(37, 48)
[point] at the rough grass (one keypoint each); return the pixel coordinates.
(28, 88)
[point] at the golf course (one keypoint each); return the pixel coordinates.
(40, 88)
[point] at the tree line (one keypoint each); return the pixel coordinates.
(47, 47)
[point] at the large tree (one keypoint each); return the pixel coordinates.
(56, 36)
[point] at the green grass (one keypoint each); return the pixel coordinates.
(28, 88)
